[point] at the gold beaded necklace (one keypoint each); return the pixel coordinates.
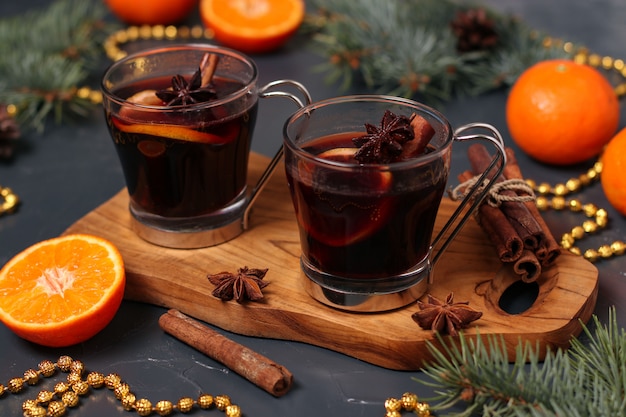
(66, 394)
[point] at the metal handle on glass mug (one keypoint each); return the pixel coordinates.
(478, 191)
(265, 92)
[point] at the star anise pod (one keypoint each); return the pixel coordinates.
(185, 93)
(246, 284)
(382, 144)
(445, 317)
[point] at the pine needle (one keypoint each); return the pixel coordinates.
(45, 55)
(475, 373)
(406, 47)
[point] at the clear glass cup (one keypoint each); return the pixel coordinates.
(366, 229)
(185, 166)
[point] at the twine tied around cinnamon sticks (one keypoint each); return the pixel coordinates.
(509, 216)
(495, 196)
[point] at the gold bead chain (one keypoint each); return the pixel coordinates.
(599, 218)
(8, 200)
(408, 402)
(66, 394)
(157, 32)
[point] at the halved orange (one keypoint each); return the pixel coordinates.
(62, 291)
(252, 26)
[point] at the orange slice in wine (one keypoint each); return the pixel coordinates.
(164, 130)
(172, 132)
(379, 180)
(369, 218)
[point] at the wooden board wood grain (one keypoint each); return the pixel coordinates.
(177, 279)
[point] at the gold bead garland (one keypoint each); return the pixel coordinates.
(66, 394)
(408, 402)
(157, 32)
(8, 200)
(599, 218)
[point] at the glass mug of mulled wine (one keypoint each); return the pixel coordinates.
(182, 118)
(366, 196)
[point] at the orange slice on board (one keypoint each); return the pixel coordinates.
(62, 291)
(252, 26)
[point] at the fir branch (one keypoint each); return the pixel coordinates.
(588, 379)
(45, 55)
(406, 47)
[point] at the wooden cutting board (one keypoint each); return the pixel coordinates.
(176, 278)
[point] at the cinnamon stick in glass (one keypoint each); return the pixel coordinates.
(549, 249)
(518, 214)
(256, 368)
(493, 221)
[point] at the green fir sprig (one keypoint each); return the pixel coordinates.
(45, 55)
(407, 48)
(588, 379)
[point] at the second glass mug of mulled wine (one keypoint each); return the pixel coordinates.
(367, 174)
(181, 118)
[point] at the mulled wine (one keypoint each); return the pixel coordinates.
(181, 118)
(366, 196)
(358, 221)
(178, 162)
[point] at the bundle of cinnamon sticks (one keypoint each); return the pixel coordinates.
(516, 228)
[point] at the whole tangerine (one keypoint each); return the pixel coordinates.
(561, 112)
(613, 176)
(254, 27)
(151, 12)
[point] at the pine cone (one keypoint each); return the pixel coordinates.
(9, 133)
(474, 30)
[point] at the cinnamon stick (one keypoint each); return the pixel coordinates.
(518, 214)
(207, 68)
(256, 368)
(503, 236)
(549, 249)
(527, 266)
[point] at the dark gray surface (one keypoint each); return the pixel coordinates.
(69, 170)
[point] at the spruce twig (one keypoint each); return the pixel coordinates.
(588, 379)
(407, 48)
(45, 55)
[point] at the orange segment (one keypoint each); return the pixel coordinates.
(252, 26)
(62, 291)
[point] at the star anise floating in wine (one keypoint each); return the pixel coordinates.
(445, 316)
(383, 143)
(246, 284)
(197, 90)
